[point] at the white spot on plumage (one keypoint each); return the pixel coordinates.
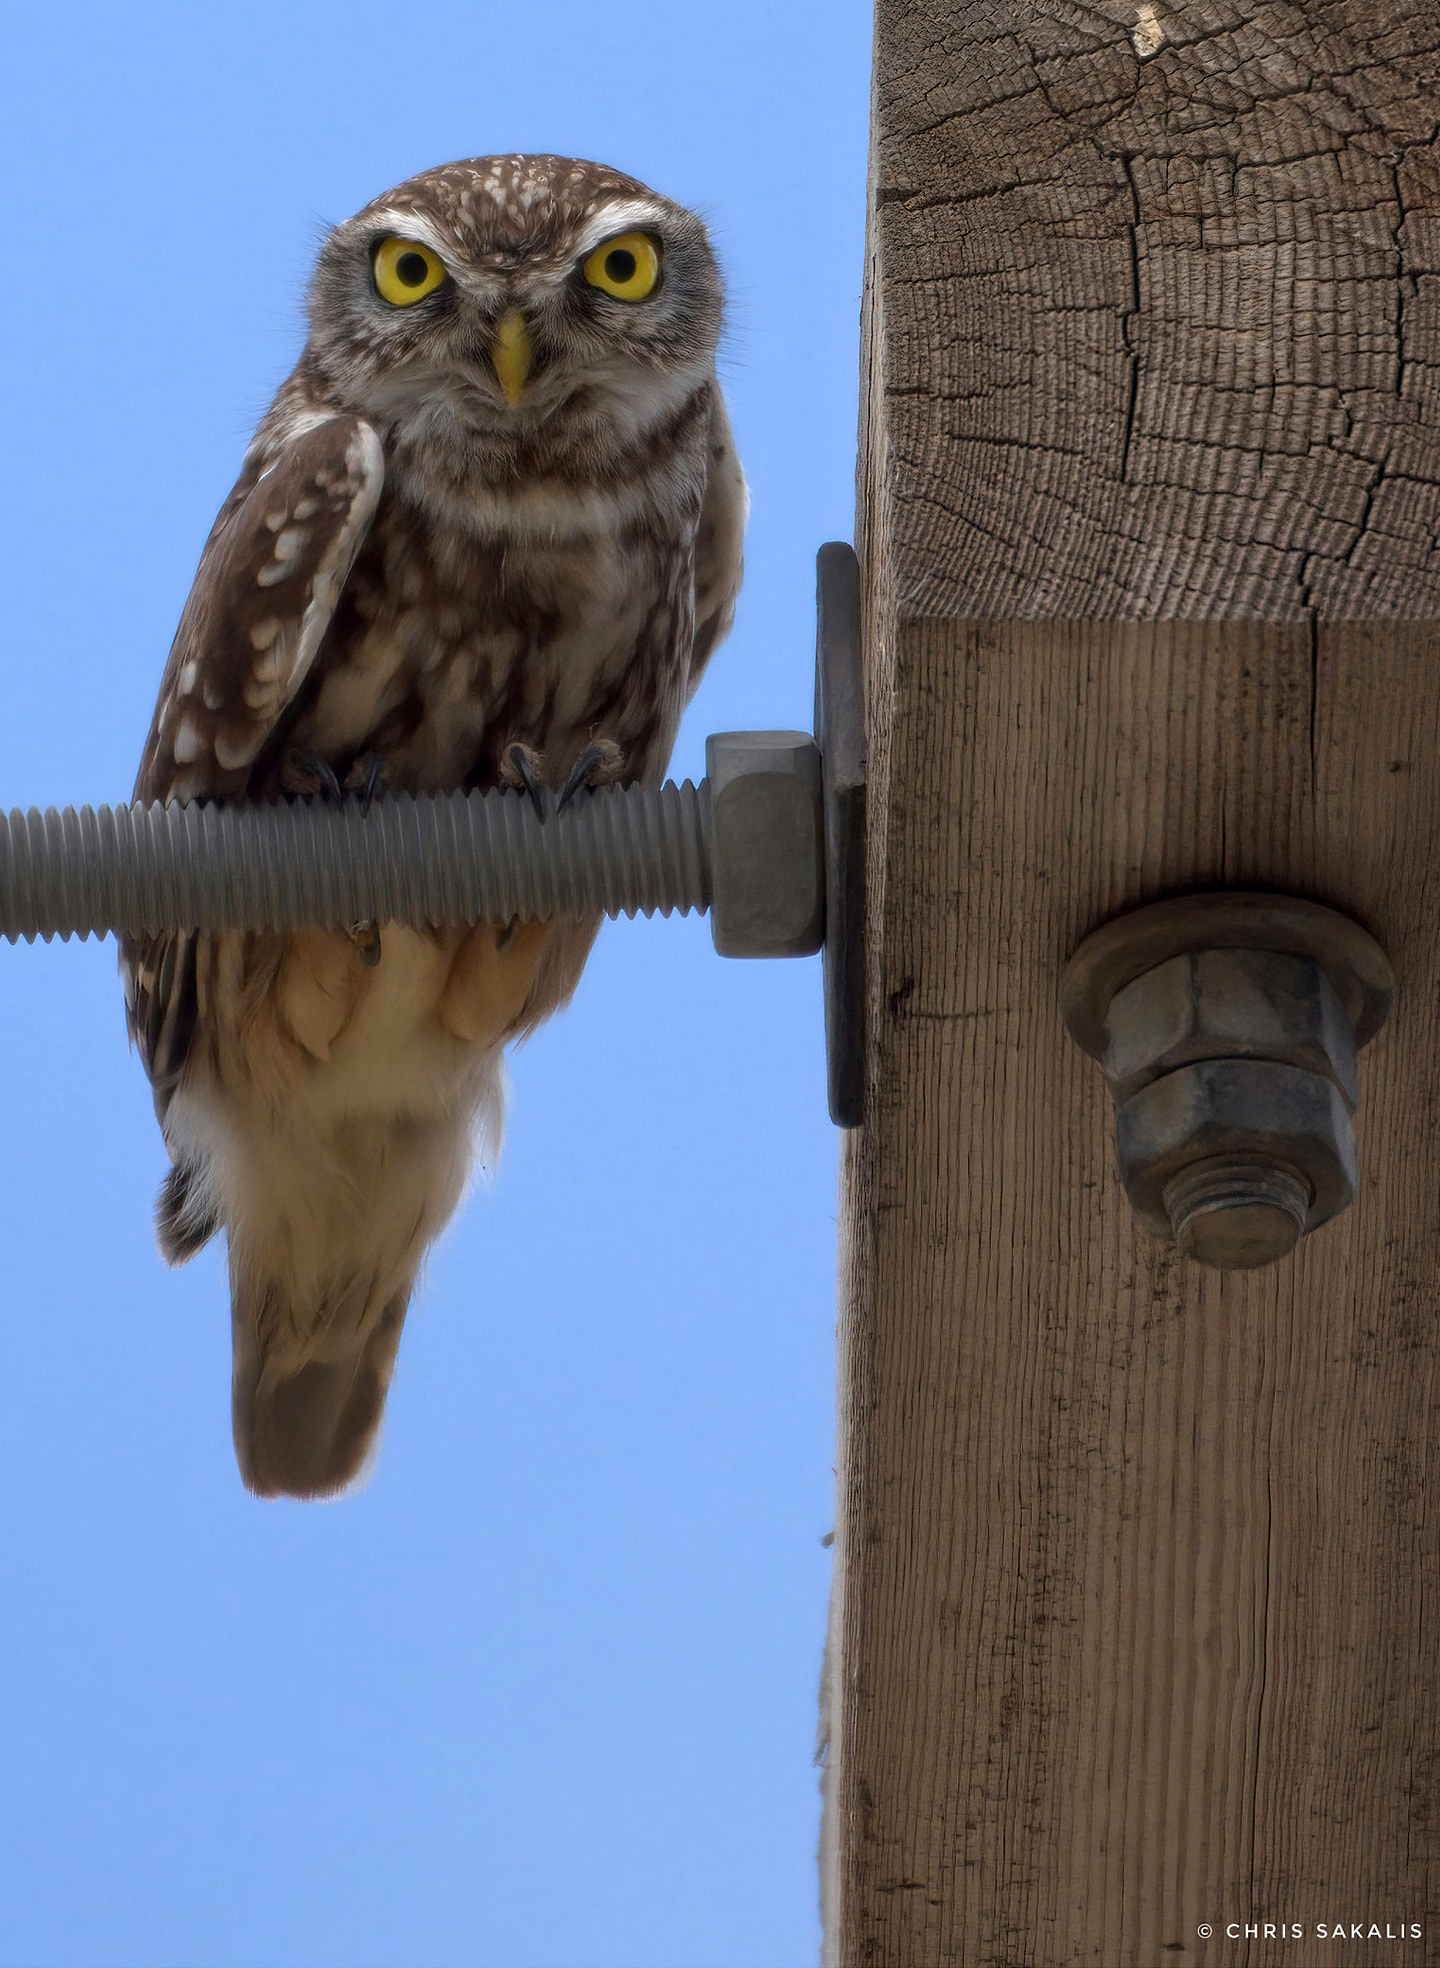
(234, 748)
(185, 746)
(270, 669)
(289, 546)
(292, 420)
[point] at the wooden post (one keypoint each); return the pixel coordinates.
(1130, 1631)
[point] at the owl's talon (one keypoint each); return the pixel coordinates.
(367, 778)
(306, 775)
(366, 938)
(522, 765)
(600, 764)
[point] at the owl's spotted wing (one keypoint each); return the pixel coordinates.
(718, 546)
(264, 594)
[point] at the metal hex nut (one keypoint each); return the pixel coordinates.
(1228, 1004)
(1227, 1023)
(767, 845)
(1271, 1112)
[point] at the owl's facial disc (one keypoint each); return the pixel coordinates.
(495, 298)
(511, 354)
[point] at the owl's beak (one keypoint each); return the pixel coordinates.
(511, 354)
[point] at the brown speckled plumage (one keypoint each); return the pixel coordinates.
(415, 570)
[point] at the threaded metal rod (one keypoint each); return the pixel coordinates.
(432, 858)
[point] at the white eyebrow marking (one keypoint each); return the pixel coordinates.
(620, 215)
(414, 225)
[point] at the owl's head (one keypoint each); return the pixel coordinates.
(507, 294)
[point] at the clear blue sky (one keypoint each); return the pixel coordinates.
(543, 1695)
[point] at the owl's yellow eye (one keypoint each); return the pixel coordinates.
(405, 272)
(627, 267)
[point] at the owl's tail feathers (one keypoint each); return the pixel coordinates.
(306, 1425)
(327, 1231)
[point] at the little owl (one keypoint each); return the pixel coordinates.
(488, 532)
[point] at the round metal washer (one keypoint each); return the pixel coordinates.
(840, 734)
(1225, 919)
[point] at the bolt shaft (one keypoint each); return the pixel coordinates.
(431, 858)
(1237, 1212)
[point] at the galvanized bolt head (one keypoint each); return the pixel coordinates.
(766, 844)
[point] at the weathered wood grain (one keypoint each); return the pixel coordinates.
(1130, 1629)
(1161, 330)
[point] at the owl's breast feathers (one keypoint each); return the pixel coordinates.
(545, 608)
(351, 602)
